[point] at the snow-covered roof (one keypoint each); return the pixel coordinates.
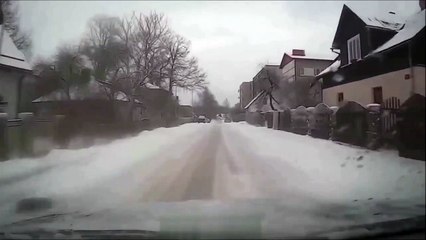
(382, 19)
(90, 91)
(332, 68)
(122, 97)
(373, 107)
(151, 86)
(288, 57)
(10, 55)
(310, 57)
(254, 99)
(412, 26)
(334, 109)
(376, 22)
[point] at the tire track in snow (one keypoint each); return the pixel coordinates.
(185, 175)
(202, 178)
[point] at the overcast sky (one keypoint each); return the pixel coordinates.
(230, 39)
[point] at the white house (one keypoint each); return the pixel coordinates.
(14, 71)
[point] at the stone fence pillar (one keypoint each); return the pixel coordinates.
(27, 133)
(3, 136)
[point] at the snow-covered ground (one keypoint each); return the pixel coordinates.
(291, 184)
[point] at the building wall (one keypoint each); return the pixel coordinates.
(419, 80)
(314, 92)
(245, 93)
(9, 82)
(288, 71)
(393, 84)
(317, 65)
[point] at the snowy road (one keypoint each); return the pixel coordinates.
(217, 164)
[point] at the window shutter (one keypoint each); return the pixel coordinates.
(354, 48)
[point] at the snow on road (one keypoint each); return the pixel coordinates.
(216, 163)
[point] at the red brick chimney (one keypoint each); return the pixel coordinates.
(298, 52)
(422, 4)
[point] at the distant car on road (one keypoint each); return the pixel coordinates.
(202, 119)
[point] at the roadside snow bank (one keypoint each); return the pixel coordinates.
(63, 173)
(326, 170)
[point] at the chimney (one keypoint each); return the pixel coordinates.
(298, 52)
(422, 4)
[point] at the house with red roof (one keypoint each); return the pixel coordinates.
(287, 85)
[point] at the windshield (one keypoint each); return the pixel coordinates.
(260, 119)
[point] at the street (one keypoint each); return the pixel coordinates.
(210, 163)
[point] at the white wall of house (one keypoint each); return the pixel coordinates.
(420, 79)
(9, 82)
(393, 84)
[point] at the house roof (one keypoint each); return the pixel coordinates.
(288, 57)
(255, 99)
(266, 67)
(380, 20)
(91, 91)
(413, 25)
(309, 57)
(151, 86)
(10, 55)
(332, 68)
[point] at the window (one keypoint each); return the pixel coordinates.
(307, 72)
(340, 97)
(377, 95)
(317, 71)
(354, 48)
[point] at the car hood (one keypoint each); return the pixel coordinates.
(240, 218)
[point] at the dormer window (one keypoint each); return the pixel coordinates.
(354, 48)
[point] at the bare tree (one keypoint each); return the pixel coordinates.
(206, 104)
(284, 92)
(104, 49)
(269, 80)
(48, 79)
(65, 71)
(70, 67)
(128, 54)
(182, 70)
(142, 38)
(11, 24)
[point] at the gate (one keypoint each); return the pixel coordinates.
(389, 109)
